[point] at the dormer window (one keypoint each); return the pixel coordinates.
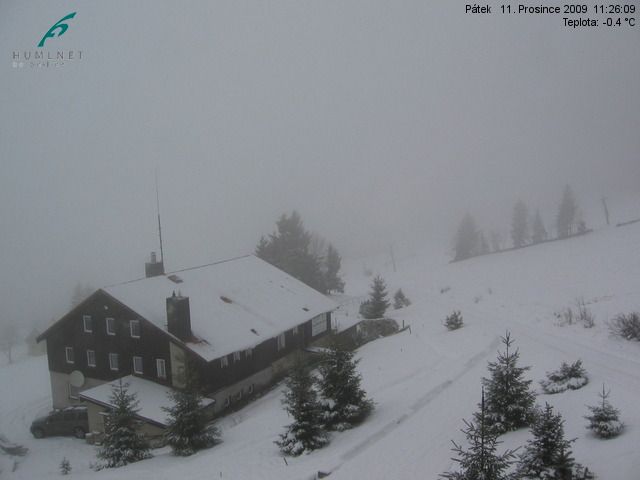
(87, 323)
(134, 327)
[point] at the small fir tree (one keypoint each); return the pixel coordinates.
(345, 403)
(333, 282)
(65, 466)
(519, 225)
(454, 321)
(539, 232)
(567, 377)
(510, 400)
(400, 300)
(378, 302)
(481, 460)
(122, 444)
(604, 419)
(306, 433)
(547, 456)
(187, 428)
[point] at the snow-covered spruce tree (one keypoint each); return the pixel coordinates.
(307, 432)
(377, 303)
(65, 466)
(400, 300)
(539, 232)
(187, 428)
(345, 403)
(509, 398)
(333, 282)
(520, 225)
(567, 377)
(454, 321)
(467, 239)
(480, 461)
(604, 419)
(122, 444)
(547, 456)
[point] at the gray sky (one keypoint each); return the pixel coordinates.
(379, 121)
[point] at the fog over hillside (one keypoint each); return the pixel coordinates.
(381, 122)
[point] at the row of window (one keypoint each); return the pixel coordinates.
(114, 362)
(224, 361)
(110, 325)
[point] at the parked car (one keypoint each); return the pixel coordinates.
(68, 421)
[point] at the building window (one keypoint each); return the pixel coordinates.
(318, 325)
(91, 358)
(111, 326)
(236, 356)
(134, 327)
(68, 353)
(227, 401)
(72, 392)
(137, 365)
(224, 362)
(250, 389)
(294, 330)
(87, 324)
(161, 368)
(248, 353)
(113, 361)
(281, 343)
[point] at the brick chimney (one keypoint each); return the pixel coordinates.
(153, 268)
(179, 317)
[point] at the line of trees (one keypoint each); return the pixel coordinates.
(526, 229)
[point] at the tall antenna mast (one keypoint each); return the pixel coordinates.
(159, 224)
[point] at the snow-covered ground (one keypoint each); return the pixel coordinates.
(424, 381)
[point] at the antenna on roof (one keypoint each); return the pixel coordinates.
(159, 224)
(154, 268)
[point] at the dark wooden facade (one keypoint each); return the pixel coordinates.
(262, 355)
(153, 344)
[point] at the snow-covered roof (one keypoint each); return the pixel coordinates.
(234, 304)
(152, 397)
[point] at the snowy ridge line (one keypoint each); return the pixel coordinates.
(421, 403)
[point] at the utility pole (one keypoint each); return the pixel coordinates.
(606, 210)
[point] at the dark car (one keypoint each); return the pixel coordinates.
(68, 421)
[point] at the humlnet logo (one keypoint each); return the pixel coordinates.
(42, 58)
(59, 25)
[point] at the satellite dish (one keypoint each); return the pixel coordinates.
(76, 379)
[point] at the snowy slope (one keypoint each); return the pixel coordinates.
(424, 380)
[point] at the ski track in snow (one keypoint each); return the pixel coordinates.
(421, 403)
